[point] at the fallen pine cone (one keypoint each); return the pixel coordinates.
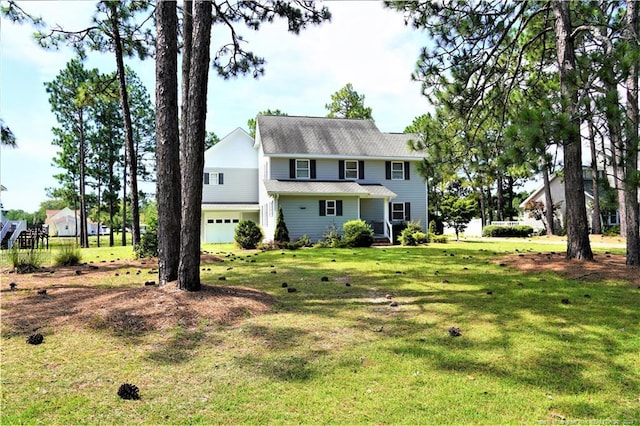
(35, 339)
(128, 391)
(455, 331)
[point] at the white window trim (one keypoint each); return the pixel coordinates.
(393, 171)
(214, 178)
(347, 170)
(326, 208)
(308, 169)
(393, 211)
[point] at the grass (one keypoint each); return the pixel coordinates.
(329, 353)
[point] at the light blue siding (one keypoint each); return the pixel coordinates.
(302, 216)
(412, 191)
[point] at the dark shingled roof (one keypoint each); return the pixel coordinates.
(321, 136)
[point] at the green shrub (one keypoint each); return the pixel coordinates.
(357, 233)
(281, 234)
(25, 261)
(68, 255)
(433, 227)
(248, 234)
(305, 241)
(412, 235)
(440, 239)
(148, 246)
(612, 231)
(507, 231)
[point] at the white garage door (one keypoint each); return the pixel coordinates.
(220, 227)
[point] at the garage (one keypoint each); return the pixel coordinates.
(219, 227)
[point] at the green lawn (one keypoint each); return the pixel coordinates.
(332, 353)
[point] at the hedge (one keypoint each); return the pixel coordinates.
(507, 231)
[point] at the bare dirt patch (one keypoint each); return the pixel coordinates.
(76, 296)
(606, 267)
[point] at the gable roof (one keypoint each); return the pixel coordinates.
(322, 136)
(234, 150)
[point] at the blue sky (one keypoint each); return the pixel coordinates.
(364, 44)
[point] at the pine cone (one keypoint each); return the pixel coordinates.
(128, 391)
(35, 339)
(455, 332)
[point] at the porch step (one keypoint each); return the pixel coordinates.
(380, 240)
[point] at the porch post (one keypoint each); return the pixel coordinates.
(386, 217)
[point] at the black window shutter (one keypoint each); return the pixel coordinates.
(406, 170)
(388, 169)
(206, 178)
(322, 206)
(220, 178)
(360, 169)
(292, 168)
(340, 169)
(312, 165)
(338, 207)
(407, 211)
(390, 211)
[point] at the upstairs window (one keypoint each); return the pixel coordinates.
(302, 169)
(351, 170)
(213, 179)
(397, 170)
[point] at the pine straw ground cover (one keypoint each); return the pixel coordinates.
(542, 340)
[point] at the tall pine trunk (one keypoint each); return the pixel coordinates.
(548, 201)
(613, 117)
(596, 222)
(631, 132)
(578, 245)
(193, 150)
(84, 238)
(128, 127)
(167, 142)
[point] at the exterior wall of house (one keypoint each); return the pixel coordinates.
(557, 195)
(239, 186)
(302, 216)
(413, 191)
(228, 200)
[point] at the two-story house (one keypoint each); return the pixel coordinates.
(321, 171)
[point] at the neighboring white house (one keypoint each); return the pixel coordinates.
(321, 171)
(556, 184)
(62, 223)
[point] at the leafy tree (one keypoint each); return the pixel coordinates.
(347, 103)
(458, 211)
(251, 123)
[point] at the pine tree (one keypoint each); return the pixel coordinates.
(282, 233)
